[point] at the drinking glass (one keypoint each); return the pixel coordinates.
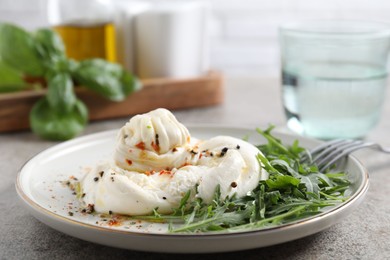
(334, 76)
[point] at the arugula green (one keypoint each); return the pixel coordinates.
(293, 191)
(59, 115)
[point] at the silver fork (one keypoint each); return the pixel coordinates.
(327, 154)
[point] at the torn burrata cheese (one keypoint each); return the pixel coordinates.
(156, 162)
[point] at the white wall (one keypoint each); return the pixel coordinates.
(244, 32)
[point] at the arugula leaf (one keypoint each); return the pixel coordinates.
(292, 192)
(19, 50)
(282, 182)
(107, 79)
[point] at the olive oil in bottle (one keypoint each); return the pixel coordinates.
(88, 39)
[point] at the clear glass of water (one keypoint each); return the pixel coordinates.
(334, 76)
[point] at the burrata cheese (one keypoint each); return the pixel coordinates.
(156, 162)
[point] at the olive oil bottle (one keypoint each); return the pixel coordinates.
(87, 39)
(85, 26)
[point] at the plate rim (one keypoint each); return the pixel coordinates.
(361, 191)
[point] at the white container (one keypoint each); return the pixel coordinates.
(171, 40)
(125, 13)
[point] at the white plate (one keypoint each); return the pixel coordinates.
(40, 186)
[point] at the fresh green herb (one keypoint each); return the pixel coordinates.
(10, 79)
(107, 79)
(59, 115)
(292, 192)
(19, 49)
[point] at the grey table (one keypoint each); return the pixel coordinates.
(252, 102)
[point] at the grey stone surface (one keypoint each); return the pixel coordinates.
(365, 234)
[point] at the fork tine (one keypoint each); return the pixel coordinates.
(324, 145)
(309, 155)
(321, 160)
(344, 153)
(330, 149)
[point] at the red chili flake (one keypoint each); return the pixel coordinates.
(155, 146)
(140, 145)
(129, 162)
(113, 222)
(174, 149)
(165, 172)
(200, 155)
(149, 172)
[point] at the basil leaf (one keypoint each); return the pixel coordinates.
(51, 44)
(10, 79)
(105, 78)
(60, 94)
(53, 125)
(19, 50)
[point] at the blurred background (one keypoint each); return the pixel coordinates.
(243, 33)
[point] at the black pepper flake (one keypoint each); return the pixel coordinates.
(211, 154)
(96, 179)
(74, 193)
(112, 179)
(83, 195)
(223, 151)
(125, 136)
(70, 213)
(233, 184)
(157, 141)
(90, 208)
(174, 149)
(110, 212)
(101, 173)
(193, 152)
(164, 198)
(238, 147)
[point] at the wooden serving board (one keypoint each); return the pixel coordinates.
(167, 93)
